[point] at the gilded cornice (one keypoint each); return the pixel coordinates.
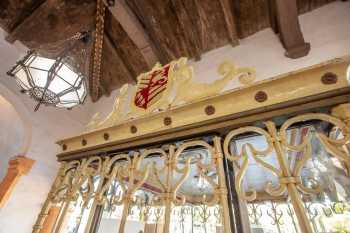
(325, 82)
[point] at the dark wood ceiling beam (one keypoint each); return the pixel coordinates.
(125, 46)
(126, 66)
(133, 28)
(52, 21)
(188, 28)
(37, 13)
(114, 72)
(231, 27)
(262, 14)
(245, 17)
(13, 12)
(191, 7)
(104, 89)
(237, 13)
(121, 57)
(139, 7)
(273, 15)
(309, 5)
(289, 29)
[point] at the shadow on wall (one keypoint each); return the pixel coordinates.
(15, 128)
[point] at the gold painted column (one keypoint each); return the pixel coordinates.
(218, 156)
(44, 213)
(50, 220)
(18, 167)
(171, 166)
(287, 177)
(342, 112)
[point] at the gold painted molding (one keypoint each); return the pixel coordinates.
(324, 80)
(18, 167)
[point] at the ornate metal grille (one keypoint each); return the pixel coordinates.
(181, 187)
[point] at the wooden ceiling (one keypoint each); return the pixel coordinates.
(138, 33)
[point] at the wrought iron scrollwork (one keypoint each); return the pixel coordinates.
(117, 180)
(289, 177)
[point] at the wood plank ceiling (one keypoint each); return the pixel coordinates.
(138, 33)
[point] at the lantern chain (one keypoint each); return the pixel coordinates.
(98, 45)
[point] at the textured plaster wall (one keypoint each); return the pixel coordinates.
(327, 29)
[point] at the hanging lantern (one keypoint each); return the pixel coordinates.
(52, 82)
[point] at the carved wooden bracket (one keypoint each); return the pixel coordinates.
(18, 167)
(289, 29)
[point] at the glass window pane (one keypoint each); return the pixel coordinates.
(39, 77)
(256, 176)
(21, 78)
(112, 213)
(76, 218)
(82, 91)
(58, 85)
(147, 210)
(42, 63)
(328, 211)
(67, 74)
(272, 216)
(70, 97)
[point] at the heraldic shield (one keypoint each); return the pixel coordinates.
(151, 87)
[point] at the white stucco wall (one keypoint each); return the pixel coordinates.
(12, 133)
(46, 126)
(327, 29)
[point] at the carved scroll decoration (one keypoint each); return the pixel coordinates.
(333, 146)
(202, 167)
(128, 172)
(76, 179)
(179, 89)
(276, 216)
(170, 185)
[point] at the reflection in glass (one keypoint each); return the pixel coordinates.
(148, 204)
(77, 216)
(328, 210)
(78, 211)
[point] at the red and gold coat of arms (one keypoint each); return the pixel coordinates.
(151, 86)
